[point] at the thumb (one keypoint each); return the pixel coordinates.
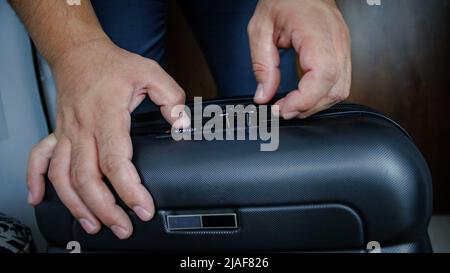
(168, 95)
(265, 61)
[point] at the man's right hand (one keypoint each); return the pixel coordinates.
(99, 85)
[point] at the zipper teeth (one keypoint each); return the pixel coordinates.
(343, 109)
(160, 122)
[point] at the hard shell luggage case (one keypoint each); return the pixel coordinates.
(345, 179)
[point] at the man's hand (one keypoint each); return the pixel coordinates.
(317, 31)
(99, 85)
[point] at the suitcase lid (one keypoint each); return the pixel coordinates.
(348, 154)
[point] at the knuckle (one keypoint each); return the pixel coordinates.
(259, 68)
(107, 136)
(34, 153)
(177, 97)
(53, 176)
(344, 30)
(152, 64)
(329, 73)
(306, 105)
(339, 96)
(346, 95)
(251, 26)
(108, 165)
(79, 179)
(309, 104)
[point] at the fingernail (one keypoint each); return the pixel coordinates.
(87, 225)
(185, 121)
(291, 115)
(143, 214)
(259, 91)
(120, 232)
(30, 197)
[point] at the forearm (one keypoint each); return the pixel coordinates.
(56, 27)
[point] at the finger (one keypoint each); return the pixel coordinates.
(115, 153)
(322, 72)
(164, 92)
(338, 93)
(298, 101)
(323, 104)
(37, 169)
(341, 41)
(265, 60)
(59, 175)
(86, 179)
(341, 90)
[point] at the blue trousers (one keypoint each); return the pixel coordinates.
(220, 27)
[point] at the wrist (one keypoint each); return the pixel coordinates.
(80, 54)
(62, 51)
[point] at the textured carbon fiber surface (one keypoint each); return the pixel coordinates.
(348, 156)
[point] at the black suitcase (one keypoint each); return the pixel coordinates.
(345, 179)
